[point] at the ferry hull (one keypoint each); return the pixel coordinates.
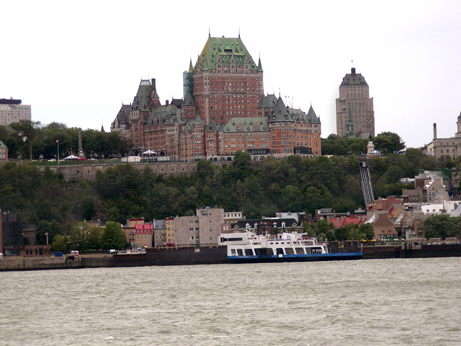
(296, 258)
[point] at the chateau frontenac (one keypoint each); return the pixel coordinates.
(223, 110)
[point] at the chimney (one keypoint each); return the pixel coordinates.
(167, 102)
(435, 131)
(153, 84)
(353, 71)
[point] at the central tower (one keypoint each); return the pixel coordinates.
(354, 104)
(227, 83)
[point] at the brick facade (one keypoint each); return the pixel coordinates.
(224, 101)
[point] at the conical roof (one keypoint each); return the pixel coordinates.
(188, 100)
(280, 113)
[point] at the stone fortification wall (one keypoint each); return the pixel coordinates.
(87, 172)
(28, 263)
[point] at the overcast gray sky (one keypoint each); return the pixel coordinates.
(77, 62)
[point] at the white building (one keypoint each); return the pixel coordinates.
(12, 111)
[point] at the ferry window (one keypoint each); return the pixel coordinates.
(248, 252)
(279, 251)
(289, 251)
(239, 252)
(233, 252)
(299, 250)
(316, 250)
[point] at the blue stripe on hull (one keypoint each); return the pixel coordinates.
(296, 258)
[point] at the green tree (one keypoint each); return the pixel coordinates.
(309, 229)
(78, 236)
(291, 198)
(324, 226)
(353, 232)
(330, 235)
(95, 238)
(388, 142)
(27, 129)
(442, 226)
(88, 208)
(113, 236)
(44, 227)
(368, 230)
(59, 243)
(241, 166)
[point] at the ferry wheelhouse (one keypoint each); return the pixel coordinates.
(247, 247)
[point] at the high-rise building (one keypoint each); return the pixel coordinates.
(354, 97)
(12, 111)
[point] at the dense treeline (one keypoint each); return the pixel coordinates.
(29, 140)
(386, 143)
(442, 226)
(294, 184)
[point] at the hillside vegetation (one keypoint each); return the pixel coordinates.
(294, 184)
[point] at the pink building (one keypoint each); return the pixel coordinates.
(143, 235)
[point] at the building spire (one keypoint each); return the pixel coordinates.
(260, 67)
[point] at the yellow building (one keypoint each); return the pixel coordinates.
(170, 231)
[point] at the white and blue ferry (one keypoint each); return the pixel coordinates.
(248, 247)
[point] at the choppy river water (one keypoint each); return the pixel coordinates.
(366, 302)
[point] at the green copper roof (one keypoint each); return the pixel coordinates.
(267, 101)
(2, 145)
(225, 49)
(188, 100)
(212, 127)
(198, 120)
(260, 67)
(311, 116)
(142, 98)
(250, 124)
(280, 113)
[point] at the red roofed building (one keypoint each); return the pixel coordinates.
(143, 235)
(341, 221)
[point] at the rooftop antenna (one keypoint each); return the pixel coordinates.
(279, 92)
(239, 31)
(352, 62)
